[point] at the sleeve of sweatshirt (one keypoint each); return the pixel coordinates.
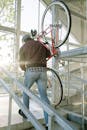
(22, 59)
(48, 53)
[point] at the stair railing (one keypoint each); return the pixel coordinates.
(54, 116)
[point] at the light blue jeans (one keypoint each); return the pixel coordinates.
(40, 77)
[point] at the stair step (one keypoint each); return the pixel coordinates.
(30, 129)
(78, 126)
(76, 119)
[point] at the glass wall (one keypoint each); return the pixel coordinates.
(7, 13)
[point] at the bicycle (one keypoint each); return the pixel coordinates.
(53, 43)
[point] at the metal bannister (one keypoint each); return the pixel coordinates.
(53, 114)
(78, 53)
(74, 52)
(29, 115)
(73, 76)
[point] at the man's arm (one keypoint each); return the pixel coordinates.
(22, 59)
(48, 54)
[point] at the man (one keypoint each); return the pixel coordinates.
(33, 56)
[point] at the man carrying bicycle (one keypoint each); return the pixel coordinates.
(33, 61)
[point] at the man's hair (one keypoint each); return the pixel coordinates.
(26, 38)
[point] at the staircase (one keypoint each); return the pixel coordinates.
(67, 112)
(59, 119)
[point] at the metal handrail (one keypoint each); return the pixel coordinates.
(73, 76)
(64, 123)
(74, 52)
(29, 115)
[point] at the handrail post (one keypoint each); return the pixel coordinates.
(9, 112)
(83, 98)
(51, 125)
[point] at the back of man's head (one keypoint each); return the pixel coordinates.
(26, 38)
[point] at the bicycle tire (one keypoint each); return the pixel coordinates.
(54, 79)
(68, 14)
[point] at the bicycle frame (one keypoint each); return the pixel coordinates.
(49, 46)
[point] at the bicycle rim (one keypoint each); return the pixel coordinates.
(62, 23)
(54, 87)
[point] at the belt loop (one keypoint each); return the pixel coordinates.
(36, 69)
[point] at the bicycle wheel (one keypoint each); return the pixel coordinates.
(56, 23)
(54, 87)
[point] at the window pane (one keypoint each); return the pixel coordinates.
(29, 15)
(7, 13)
